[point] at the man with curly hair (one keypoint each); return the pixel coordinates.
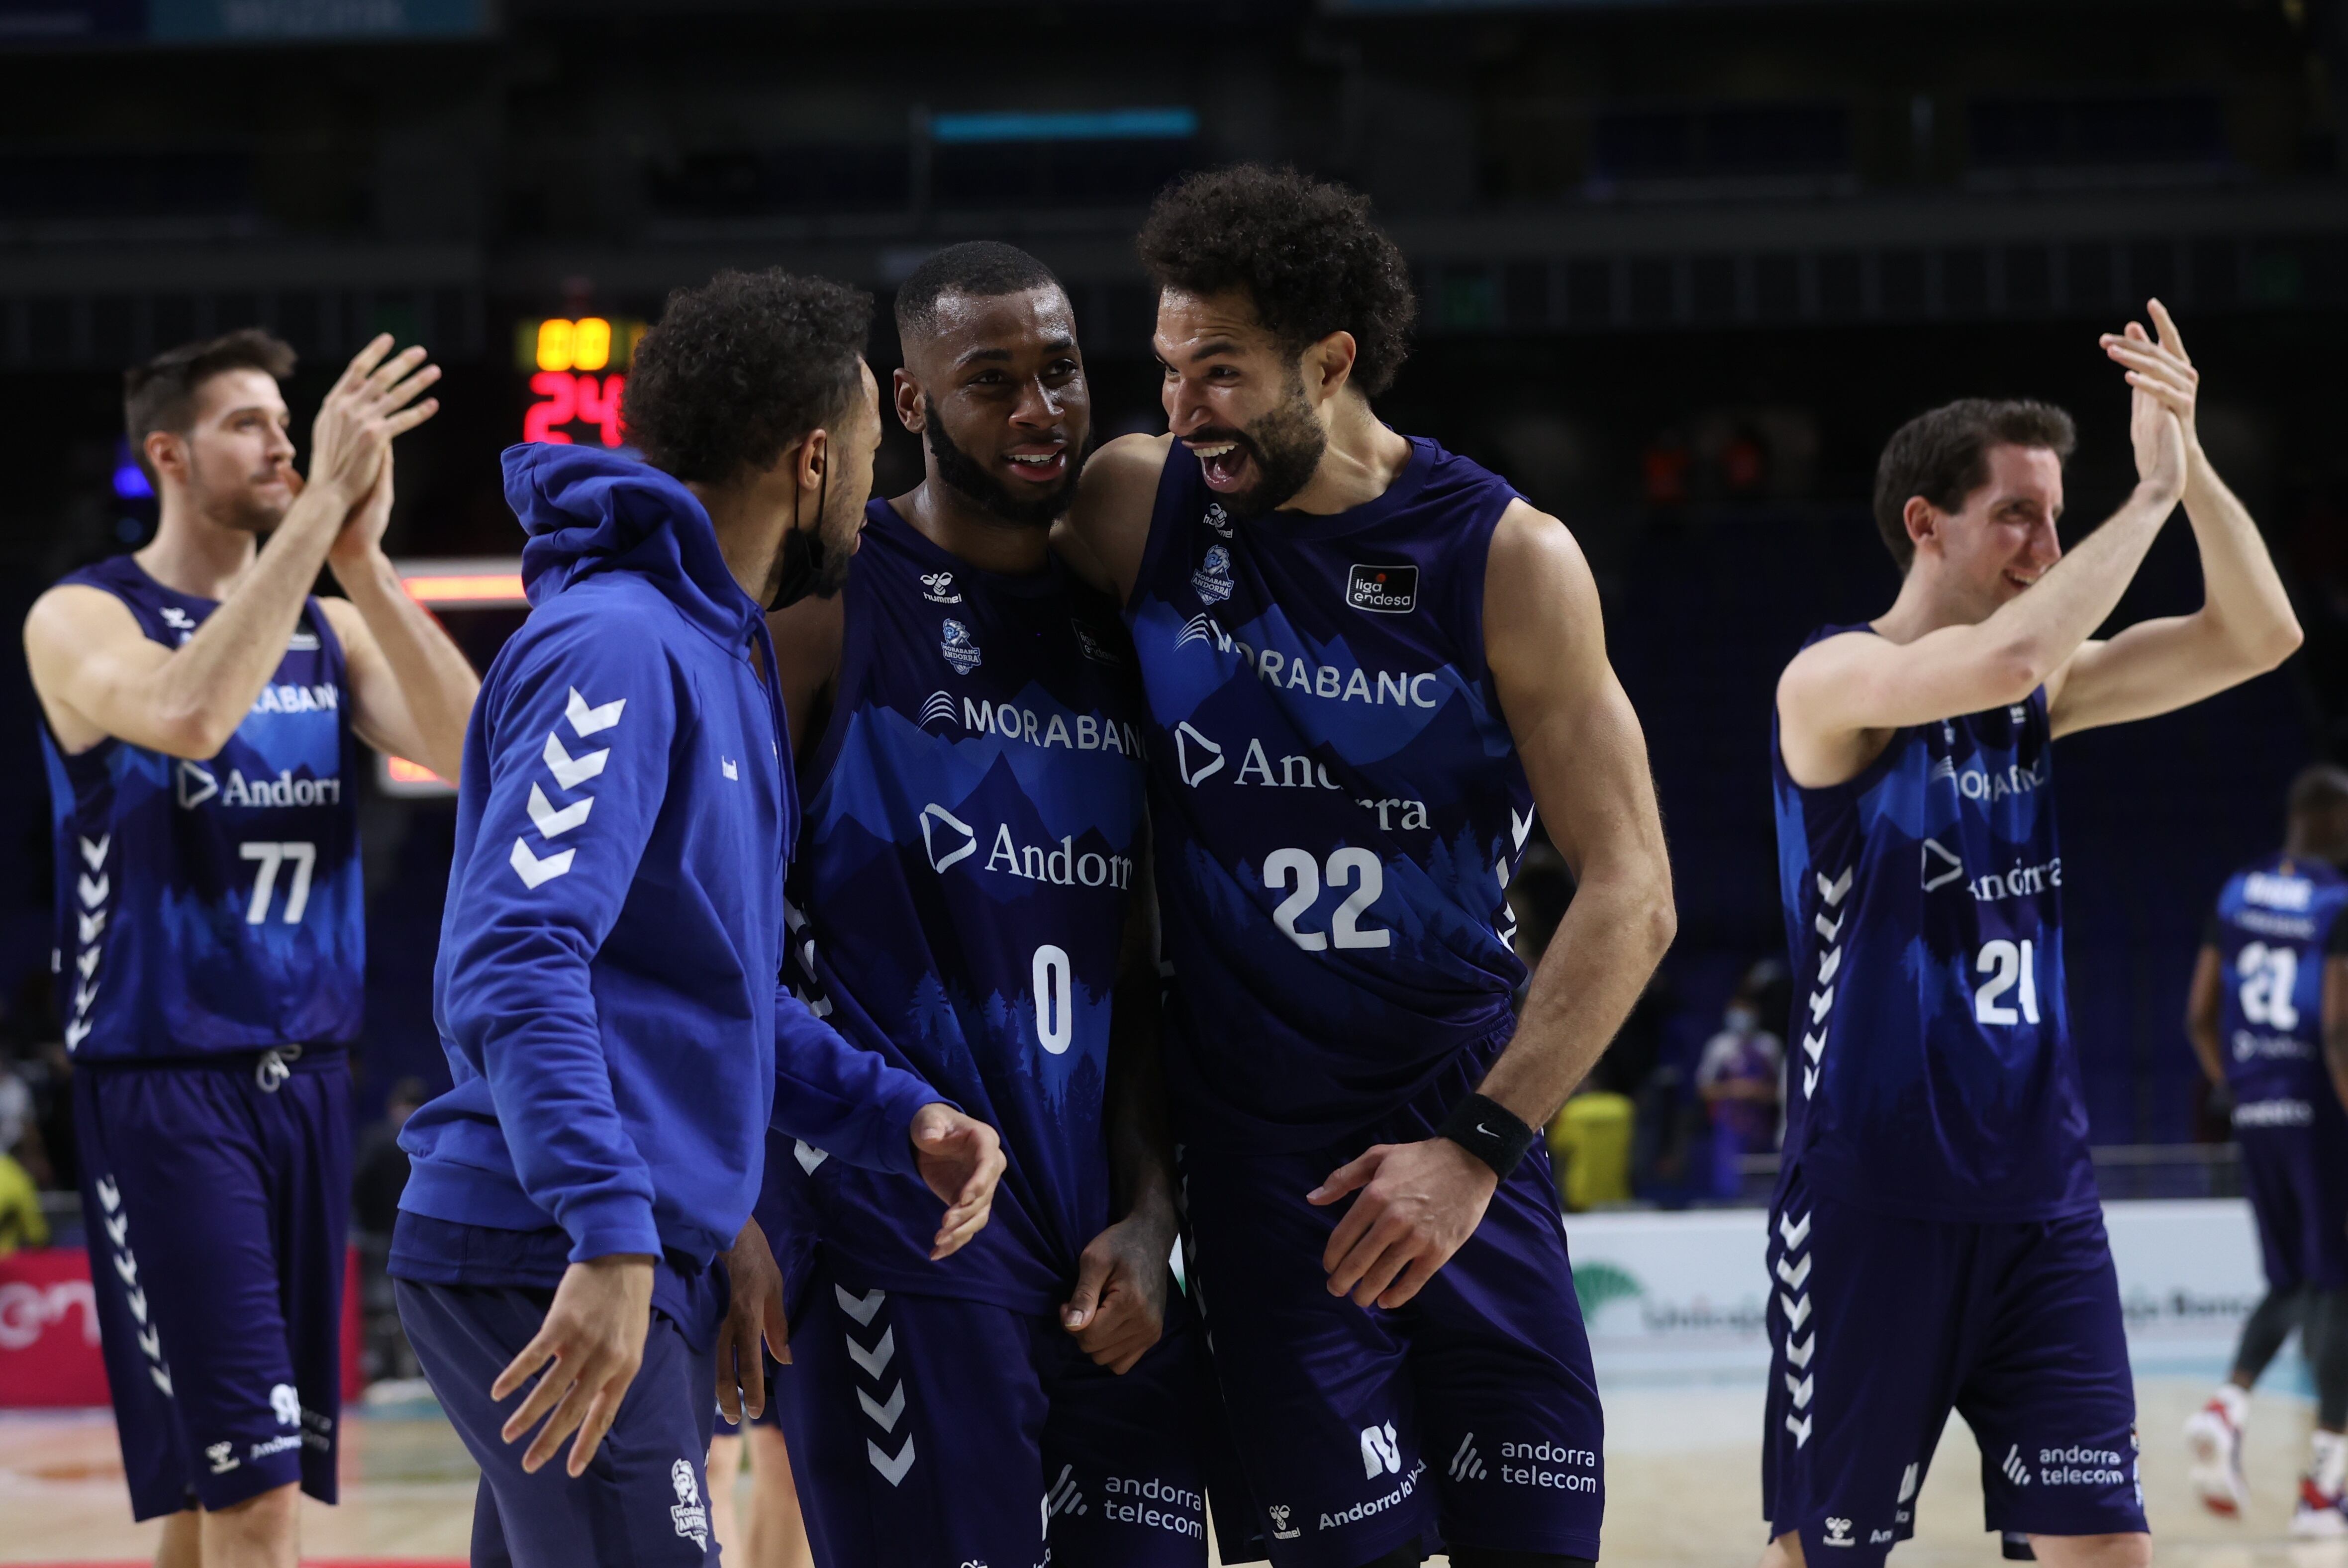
(1366, 661)
(606, 988)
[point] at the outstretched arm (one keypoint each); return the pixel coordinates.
(98, 674)
(1119, 1308)
(1839, 691)
(412, 688)
(2245, 625)
(1587, 760)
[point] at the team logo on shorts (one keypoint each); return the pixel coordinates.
(959, 651)
(285, 1405)
(1280, 1529)
(1838, 1533)
(1212, 580)
(1388, 590)
(1381, 1451)
(222, 1456)
(692, 1519)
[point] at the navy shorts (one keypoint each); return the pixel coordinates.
(1880, 1325)
(2298, 1186)
(926, 1430)
(644, 1499)
(217, 1210)
(1468, 1417)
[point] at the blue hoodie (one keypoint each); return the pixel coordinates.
(607, 987)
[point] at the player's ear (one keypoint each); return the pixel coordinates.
(811, 459)
(166, 452)
(907, 394)
(1328, 365)
(1923, 521)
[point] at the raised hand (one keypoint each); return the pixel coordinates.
(362, 534)
(2158, 367)
(590, 1348)
(374, 399)
(1419, 1204)
(962, 1159)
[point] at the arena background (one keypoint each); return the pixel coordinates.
(1682, 268)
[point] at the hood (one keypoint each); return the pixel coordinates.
(587, 510)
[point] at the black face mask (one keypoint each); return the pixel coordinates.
(808, 566)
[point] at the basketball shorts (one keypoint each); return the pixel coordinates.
(2298, 1185)
(644, 1499)
(1880, 1325)
(927, 1430)
(1467, 1417)
(217, 1198)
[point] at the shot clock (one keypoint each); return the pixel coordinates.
(577, 370)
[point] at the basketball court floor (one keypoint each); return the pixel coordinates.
(1683, 1470)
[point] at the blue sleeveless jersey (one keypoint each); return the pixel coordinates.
(960, 895)
(1930, 1070)
(212, 907)
(2275, 924)
(1336, 800)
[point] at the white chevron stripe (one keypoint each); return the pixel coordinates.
(568, 772)
(1814, 1046)
(588, 721)
(1801, 1390)
(1793, 1231)
(1827, 963)
(534, 871)
(94, 855)
(1801, 1429)
(893, 1470)
(1828, 932)
(874, 1361)
(859, 1308)
(1798, 1351)
(1809, 1082)
(93, 892)
(1821, 1003)
(1794, 1274)
(552, 824)
(1797, 1309)
(93, 926)
(1834, 892)
(76, 1033)
(886, 1415)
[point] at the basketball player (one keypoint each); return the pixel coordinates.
(1366, 661)
(606, 987)
(975, 905)
(200, 711)
(1936, 1239)
(2260, 1016)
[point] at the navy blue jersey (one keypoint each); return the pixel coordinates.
(1337, 802)
(214, 905)
(960, 893)
(2274, 924)
(1929, 1065)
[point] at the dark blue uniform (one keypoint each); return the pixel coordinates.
(210, 953)
(1338, 808)
(958, 903)
(1936, 1239)
(2274, 926)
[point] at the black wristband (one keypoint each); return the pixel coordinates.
(1490, 1131)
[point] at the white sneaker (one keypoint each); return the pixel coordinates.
(2216, 1445)
(2318, 1515)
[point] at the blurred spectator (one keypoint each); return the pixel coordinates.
(22, 1223)
(20, 1122)
(1590, 1141)
(1741, 1078)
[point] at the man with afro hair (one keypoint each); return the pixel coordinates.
(1366, 662)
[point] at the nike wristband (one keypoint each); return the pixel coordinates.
(1490, 1131)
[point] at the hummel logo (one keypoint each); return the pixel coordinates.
(588, 721)
(1833, 891)
(1467, 1464)
(859, 1308)
(1838, 1533)
(874, 1361)
(893, 1470)
(93, 855)
(2011, 1466)
(938, 588)
(808, 1155)
(884, 1415)
(535, 872)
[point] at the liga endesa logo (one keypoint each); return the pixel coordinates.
(1388, 590)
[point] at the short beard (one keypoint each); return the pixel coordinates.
(231, 507)
(967, 478)
(1287, 446)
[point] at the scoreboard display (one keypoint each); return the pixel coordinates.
(577, 369)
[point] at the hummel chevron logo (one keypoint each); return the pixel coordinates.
(94, 855)
(125, 1267)
(1833, 891)
(552, 823)
(1809, 1082)
(118, 1228)
(568, 772)
(1522, 827)
(1794, 1274)
(893, 1470)
(1821, 1002)
(162, 1375)
(1798, 1351)
(91, 926)
(92, 892)
(1793, 1231)
(150, 1340)
(588, 721)
(1801, 1429)
(874, 1361)
(1813, 1045)
(1829, 931)
(1829, 963)
(76, 1033)
(884, 1414)
(859, 1308)
(110, 1196)
(84, 996)
(1801, 1390)
(86, 961)
(1797, 1309)
(135, 1299)
(535, 872)
(808, 1155)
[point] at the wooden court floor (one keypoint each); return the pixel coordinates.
(1683, 1475)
